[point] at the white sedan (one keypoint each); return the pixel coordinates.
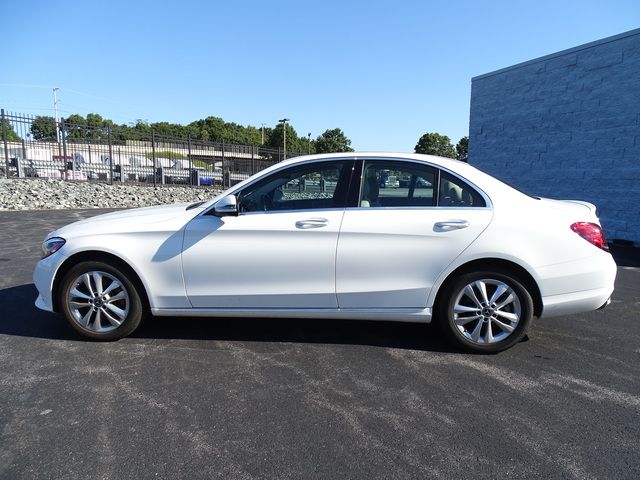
(316, 237)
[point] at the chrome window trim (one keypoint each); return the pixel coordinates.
(272, 212)
(487, 199)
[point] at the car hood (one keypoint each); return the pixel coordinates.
(162, 217)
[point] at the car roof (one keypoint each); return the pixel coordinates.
(441, 161)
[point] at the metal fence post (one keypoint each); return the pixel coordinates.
(224, 171)
(153, 154)
(88, 156)
(20, 163)
(110, 156)
(63, 133)
(190, 162)
(253, 160)
(6, 148)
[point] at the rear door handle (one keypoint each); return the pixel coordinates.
(312, 223)
(450, 225)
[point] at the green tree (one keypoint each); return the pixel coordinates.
(435, 144)
(167, 154)
(7, 132)
(44, 128)
(294, 144)
(333, 141)
(462, 149)
(75, 127)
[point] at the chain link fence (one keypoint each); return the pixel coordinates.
(98, 154)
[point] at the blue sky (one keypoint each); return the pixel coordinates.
(384, 72)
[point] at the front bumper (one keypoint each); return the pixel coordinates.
(43, 277)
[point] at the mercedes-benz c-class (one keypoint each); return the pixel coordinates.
(327, 236)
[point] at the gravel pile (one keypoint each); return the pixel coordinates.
(41, 194)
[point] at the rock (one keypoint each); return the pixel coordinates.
(33, 194)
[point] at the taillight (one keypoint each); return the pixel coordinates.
(592, 233)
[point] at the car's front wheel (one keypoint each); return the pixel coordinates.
(485, 311)
(100, 301)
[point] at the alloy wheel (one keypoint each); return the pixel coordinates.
(98, 301)
(486, 311)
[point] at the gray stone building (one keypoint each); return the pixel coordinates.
(567, 126)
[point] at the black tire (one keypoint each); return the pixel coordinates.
(133, 303)
(460, 335)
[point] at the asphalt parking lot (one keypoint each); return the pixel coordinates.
(241, 398)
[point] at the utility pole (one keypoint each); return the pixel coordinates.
(284, 121)
(55, 109)
(309, 135)
(263, 133)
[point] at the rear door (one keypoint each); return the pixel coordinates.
(403, 234)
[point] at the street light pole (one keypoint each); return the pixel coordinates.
(55, 109)
(309, 135)
(284, 121)
(263, 133)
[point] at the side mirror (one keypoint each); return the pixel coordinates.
(226, 206)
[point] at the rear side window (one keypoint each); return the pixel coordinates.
(397, 184)
(457, 193)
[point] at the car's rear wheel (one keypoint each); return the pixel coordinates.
(100, 301)
(485, 311)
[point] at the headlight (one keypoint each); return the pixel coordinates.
(52, 245)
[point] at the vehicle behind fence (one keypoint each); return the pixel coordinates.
(87, 153)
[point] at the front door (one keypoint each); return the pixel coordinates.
(279, 252)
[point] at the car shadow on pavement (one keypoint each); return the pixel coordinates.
(20, 317)
(625, 255)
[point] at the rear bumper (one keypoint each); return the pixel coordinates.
(578, 287)
(576, 302)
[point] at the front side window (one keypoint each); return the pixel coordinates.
(397, 184)
(318, 185)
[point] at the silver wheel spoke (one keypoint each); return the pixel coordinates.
(503, 326)
(112, 320)
(80, 304)
(118, 311)
(482, 287)
(87, 318)
(465, 309)
(464, 320)
(509, 316)
(489, 334)
(475, 334)
(506, 301)
(75, 293)
(112, 285)
(472, 295)
(97, 280)
(118, 296)
(96, 322)
(87, 282)
(498, 293)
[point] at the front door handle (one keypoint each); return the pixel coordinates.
(450, 225)
(312, 223)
